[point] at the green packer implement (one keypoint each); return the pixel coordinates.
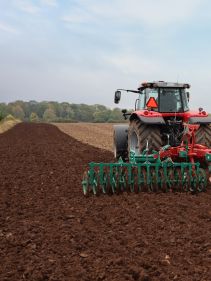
(144, 173)
(163, 149)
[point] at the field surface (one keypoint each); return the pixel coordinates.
(49, 231)
(97, 134)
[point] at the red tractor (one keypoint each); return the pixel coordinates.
(161, 112)
(165, 146)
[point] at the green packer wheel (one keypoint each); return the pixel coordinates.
(113, 181)
(130, 179)
(154, 181)
(136, 173)
(95, 183)
(186, 180)
(104, 183)
(121, 180)
(175, 178)
(202, 180)
(145, 185)
(85, 183)
(178, 180)
(162, 181)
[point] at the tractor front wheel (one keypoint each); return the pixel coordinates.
(120, 142)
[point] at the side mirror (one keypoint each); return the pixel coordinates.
(117, 96)
(188, 96)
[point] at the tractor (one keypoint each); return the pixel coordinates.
(165, 146)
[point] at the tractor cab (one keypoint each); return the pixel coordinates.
(163, 97)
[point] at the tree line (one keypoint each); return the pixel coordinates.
(60, 112)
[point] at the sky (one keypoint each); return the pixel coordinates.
(82, 51)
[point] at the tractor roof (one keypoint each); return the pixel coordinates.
(162, 84)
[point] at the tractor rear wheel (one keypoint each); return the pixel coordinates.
(203, 135)
(139, 134)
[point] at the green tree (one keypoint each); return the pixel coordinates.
(101, 116)
(85, 113)
(115, 116)
(17, 111)
(49, 115)
(99, 107)
(65, 111)
(3, 110)
(34, 117)
(40, 108)
(54, 111)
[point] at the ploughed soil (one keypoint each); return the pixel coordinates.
(50, 231)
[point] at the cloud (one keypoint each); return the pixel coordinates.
(7, 28)
(149, 12)
(26, 6)
(77, 16)
(52, 3)
(108, 44)
(132, 64)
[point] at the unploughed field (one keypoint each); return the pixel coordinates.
(7, 123)
(49, 231)
(97, 134)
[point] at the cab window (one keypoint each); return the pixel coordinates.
(170, 100)
(152, 93)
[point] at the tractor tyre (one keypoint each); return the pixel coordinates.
(203, 135)
(139, 134)
(120, 142)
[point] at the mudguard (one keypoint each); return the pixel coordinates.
(149, 120)
(200, 120)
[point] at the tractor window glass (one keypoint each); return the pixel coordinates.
(170, 100)
(185, 100)
(152, 93)
(141, 101)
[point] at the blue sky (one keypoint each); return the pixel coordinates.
(81, 51)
